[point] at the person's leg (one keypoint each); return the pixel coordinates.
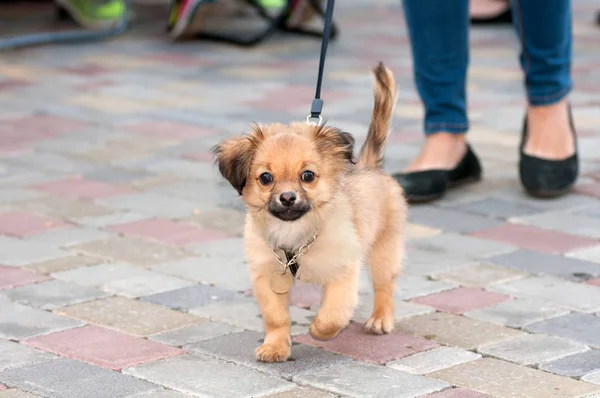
(544, 28)
(439, 38)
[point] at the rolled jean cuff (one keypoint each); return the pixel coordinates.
(550, 98)
(452, 128)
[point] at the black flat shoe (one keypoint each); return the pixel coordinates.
(506, 17)
(544, 178)
(424, 186)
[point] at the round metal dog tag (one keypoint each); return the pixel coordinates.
(281, 283)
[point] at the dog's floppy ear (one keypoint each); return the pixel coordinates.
(234, 157)
(334, 142)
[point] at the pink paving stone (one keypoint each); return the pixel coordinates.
(11, 277)
(458, 393)
(169, 232)
(88, 70)
(205, 157)
(289, 98)
(83, 189)
(305, 295)
(46, 124)
(354, 342)
(21, 225)
(536, 239)
(594, 282)
(103, 347)
(3, 387)
(592, 189)
(170, 130)
(461, 300)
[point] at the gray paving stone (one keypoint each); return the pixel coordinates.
(584, 328)
(16, 253)
(13, 355)
(162, 393)
(360, 380)
(564, 222)
(454, 244)
(190, 297)
(593, 377)
(533, 349)
(562, 293)
(9, 195)
(113, 219)
(53, 294)
(588, 254)
(517, 313)
(115, 175)
(575, 365)
(194, 333)
(450, 220)
(31, 321)
(246, 314)
(122, 279)
(496, 208)
(409, 286)
(542, 263)
(424, 262)
(479, 275)
(302, 392)
(225, 272)
(239, 348)
(153, 204)
(13, 393)
(70, 236)
(209, 377)
(65, 378)
(433, 360)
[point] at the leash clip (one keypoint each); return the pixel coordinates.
(310, 120)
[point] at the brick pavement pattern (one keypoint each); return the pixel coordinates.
(121, 261)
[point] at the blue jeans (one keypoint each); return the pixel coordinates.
(439, 37)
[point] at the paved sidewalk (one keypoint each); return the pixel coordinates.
(121, 270)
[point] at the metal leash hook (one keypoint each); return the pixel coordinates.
(317, 104)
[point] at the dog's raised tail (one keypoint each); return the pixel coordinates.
(371, 153)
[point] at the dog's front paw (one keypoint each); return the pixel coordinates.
(380, 324)
(273, 352)
(323, 331)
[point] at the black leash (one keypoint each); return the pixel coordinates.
(317, 104)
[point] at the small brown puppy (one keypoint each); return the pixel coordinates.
(312, 210)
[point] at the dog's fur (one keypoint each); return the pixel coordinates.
(356, 209)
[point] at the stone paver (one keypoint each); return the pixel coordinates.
(574, 296)
(432, 360)
(542, 263)
(103, 347)
(455, 330)
(503, 379)
(53, 294)
(363, 380)
(73, 379)
(579, 327)
(14, 355)
(479, 275)
(575, 365)
(205, 376)
(461, 300)
(121, 247)
(11, 277)
(194, 333)
(239, 348)
(355, 343)
(130, 316)
(31, 321)
(517, 313)
(533, 349)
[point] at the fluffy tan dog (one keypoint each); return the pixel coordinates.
(313, 210)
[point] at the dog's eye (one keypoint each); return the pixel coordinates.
(308, 176)
(265, 178)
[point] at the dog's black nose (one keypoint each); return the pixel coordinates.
(287, 198)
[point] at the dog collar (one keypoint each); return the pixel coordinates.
(291, 257)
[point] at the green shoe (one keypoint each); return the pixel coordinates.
(95, 14)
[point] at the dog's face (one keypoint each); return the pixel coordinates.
(286, 171)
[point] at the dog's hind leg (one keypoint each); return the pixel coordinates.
(385, 263)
